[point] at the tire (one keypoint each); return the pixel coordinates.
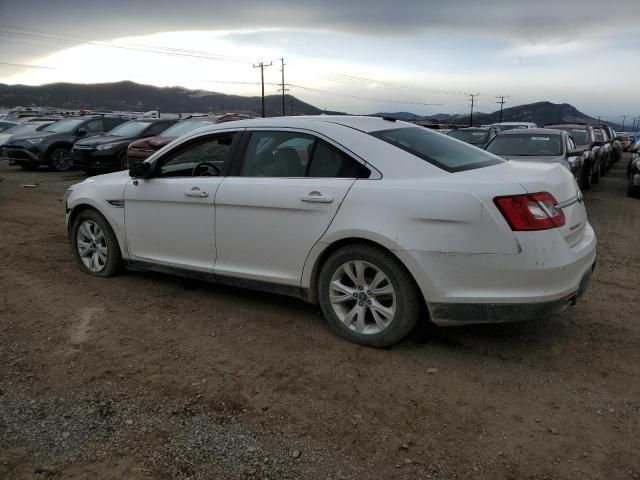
(123, 163)
(103, 258)
(399, 298)
(585, 183)
(633, 191)
(59, 160)
(595, 178)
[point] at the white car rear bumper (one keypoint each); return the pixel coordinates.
(543, 279)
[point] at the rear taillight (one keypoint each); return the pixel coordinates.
(531, 211)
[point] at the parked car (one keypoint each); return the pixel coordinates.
(21, 129)
(543, 145)
(478, 136)
(584, 138)
(626, 139)
(6, 125)
(141, 149)
(52, 146)
(633, 174)
(605, 150)
(108, 152)
(504, 126)
(380, 222)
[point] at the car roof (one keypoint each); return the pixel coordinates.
(565, 125)
(473, 128)
(533, 131)
(512, 123)
(361, 123)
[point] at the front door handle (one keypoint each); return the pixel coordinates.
(316, 197)
(196, 192)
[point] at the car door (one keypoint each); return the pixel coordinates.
(285, 190)
(170, 217)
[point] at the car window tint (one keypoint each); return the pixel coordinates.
(329, 162)
(277, 154)
(94, 126)
(438, 149)
(213, 151)
(156, 128)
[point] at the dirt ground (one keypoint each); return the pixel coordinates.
(150, 376)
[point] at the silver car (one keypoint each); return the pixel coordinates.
(539, 145)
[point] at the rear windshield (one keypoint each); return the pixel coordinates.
(64, 126)
(437, 149)
(474, 137)
(540, 145)
(579, 136)
(183, 127)
(504, 128)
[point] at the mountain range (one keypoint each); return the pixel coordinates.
(131, 96)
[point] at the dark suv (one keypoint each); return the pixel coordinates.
(108, 152)
(585, 139)
(52, 146)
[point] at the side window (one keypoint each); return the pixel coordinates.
(329, 162)
(204, 158)
(94, 126)
(277, 154)
(110, 123)
(156, 128)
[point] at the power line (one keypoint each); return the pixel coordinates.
(357, 81)
(472, 96)
(25, 65)
(358, 97)
(624, 120)
(501, 102)
(262, 66)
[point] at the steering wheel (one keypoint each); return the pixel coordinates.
(198, 170)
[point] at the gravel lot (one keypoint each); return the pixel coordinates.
(150, 376)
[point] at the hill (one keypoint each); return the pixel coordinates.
(133, 96)
(539, 113)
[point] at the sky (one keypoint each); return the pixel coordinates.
(357, 56)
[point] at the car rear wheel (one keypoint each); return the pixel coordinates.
(95, 246)
(60, 159)
(368, 296)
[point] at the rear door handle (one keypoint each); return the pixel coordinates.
(316, 197)
(196, 192)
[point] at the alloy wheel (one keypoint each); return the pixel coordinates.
(61, 160)
(92, 246)
(362, 297)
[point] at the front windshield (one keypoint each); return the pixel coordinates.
(474, 137)
(183, 127)
(64, 126)
(24, 128)
(129, 129)
(504, 128)
(534, 145)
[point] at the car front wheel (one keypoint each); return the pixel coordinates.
(95, 246)
(60, 160)
(368, 296)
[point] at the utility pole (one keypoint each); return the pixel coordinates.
(282, 88)
(472, 96)
(624, 120)
(262, 66)
(501, 102)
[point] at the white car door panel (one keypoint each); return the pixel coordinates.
(171, 221)
(265, 227)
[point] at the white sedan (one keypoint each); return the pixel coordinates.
(379, 222)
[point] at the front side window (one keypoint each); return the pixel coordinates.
(94, 126)
(203, 158)
(543, 145)
(437, 149)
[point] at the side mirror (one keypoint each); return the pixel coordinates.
(82, 132)
(139, 170)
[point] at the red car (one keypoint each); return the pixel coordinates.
(142, 149)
